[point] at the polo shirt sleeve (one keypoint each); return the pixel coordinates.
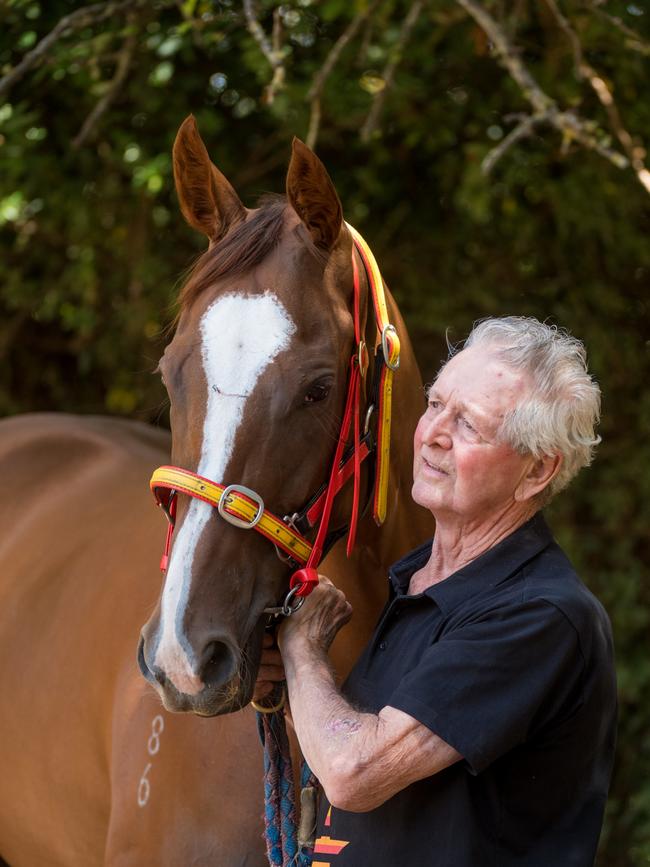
(490, 683)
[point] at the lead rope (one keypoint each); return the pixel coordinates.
(281, 831)
(284, 848)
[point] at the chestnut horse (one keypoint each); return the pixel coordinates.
(94, 770)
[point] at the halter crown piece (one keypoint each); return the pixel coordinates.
(244, 508)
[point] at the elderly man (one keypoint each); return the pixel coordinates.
(478, 726)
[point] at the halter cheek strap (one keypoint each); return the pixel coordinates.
(387, 352)
(245, 509)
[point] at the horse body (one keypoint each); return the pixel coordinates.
(94, 770)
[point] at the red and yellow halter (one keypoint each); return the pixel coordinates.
(244, 508)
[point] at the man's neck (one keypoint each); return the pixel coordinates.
(456, 544)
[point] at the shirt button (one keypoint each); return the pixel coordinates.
(382, 646)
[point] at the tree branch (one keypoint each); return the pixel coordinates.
(569, 124)
(585, 72)
(509, 57)
(76, 20)
(366, 39)
(636, 43)
(318, 84)
(314, 123)
(272, 51)
(372, 121)
(523, 129)
(123, 65)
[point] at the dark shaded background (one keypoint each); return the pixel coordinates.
(93, 246)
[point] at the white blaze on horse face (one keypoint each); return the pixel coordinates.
(240, 337)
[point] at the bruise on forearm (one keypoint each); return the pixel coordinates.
(338, 726)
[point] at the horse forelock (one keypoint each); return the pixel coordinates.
(245, 247)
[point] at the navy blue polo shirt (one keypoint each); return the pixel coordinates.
(510, 661)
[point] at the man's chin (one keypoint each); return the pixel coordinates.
(423, 495)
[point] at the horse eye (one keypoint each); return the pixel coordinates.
(317, 392)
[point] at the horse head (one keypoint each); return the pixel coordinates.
(256, 374)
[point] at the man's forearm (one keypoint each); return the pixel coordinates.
(334, 737)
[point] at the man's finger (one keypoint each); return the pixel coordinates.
(271, 672)
(262, 689)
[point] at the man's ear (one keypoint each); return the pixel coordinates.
(540, 474)
(207, 200)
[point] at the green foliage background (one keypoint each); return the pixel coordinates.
(93, 246)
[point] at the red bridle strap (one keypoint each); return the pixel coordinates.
(306, 579)
(345, 472)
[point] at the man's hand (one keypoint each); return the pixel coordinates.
(321, 616)
(324, 612)
(271, 670)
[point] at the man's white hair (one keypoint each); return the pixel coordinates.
(562, 409)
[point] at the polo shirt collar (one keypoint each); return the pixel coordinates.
(489, 569)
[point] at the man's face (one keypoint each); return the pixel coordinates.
(460, 469)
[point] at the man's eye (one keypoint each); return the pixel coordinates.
(317, 392)
(468, 425)
(434, 404)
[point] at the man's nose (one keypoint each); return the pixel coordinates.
(437, 430)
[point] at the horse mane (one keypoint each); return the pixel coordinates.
(244, 247)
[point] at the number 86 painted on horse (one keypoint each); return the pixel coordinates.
(258, 374)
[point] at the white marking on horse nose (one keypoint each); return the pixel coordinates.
(240, 337)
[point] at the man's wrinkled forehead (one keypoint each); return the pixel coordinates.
(479, 378)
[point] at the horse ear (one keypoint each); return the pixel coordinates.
(207, 200)
(311, 193)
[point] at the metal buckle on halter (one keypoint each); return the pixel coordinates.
(392, 365)
(232, 519)
(362, 358)
(290, 521)
(366, 425)
(168, 506)
(286, 609)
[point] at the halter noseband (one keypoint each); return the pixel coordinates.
(244, 508)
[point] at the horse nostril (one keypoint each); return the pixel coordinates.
(142, 662)
(151, 674)
(219, 665)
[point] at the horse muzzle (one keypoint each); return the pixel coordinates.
(222, 681)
